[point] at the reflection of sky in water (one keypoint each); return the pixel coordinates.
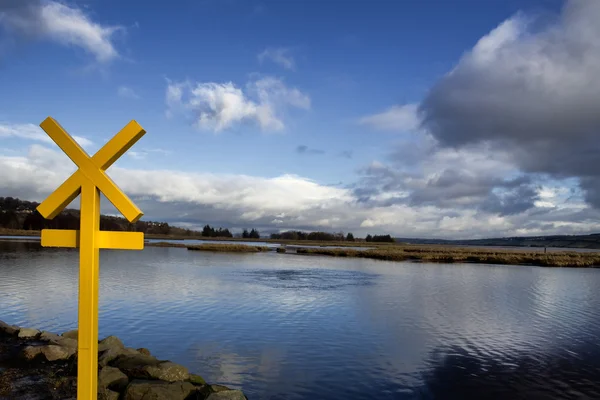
(296, 327)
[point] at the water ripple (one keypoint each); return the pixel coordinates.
(289, 327)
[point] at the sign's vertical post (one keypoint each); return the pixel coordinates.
(89, 279)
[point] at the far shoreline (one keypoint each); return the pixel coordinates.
(420, 253)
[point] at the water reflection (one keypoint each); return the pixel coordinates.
(458, 373)
(291, 327)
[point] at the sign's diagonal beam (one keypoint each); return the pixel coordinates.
(91, 170)
(118, 145)
(104, 158)
(61, 197)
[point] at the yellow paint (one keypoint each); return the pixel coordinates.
(89, 280)
(104, 158)
(89, 180)
(106, 240)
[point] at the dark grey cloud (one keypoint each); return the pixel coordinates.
(303, 149)
(452, 187)
(512, 201)
(534, 95)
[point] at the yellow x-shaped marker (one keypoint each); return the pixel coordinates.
(91, 169)
(89, 180)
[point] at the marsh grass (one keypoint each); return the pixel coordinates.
(228, 248)
(18, 232)
(446, 254)
(166, 244)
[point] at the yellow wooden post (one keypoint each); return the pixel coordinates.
(89, 280)
(88, 181)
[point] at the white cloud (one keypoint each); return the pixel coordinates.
(395, 118)
(127, 92)
(278, 55)
(34, 132)
(67, 25)
(219, 106)
(142, 154)
(283, 202)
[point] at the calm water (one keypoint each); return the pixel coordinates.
(295, 327)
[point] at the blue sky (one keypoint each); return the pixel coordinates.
(372, 116)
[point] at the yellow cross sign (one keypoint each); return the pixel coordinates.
(89, 180)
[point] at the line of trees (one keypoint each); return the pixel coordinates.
(22, 214)
(379, 238)
(253, 234)
(325, 236)
(318, 236)
(209, 231)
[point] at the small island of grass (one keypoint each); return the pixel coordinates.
(447, 254)
(228, 248)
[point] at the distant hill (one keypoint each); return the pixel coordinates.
(591, 241)
(22, 214)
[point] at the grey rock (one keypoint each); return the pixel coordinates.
(227, 395)
(107, 394)
(53, 338)
(67, 342)
(74, 334)
(144, 351)
(167, 371)
(197, 380)
(8, 329)
(156, 390)
(53, 352)
(112, 378)
(31, 352)
(50, 351)
(28, 333)
(218, 388)
(134, 365)
(110, 342)
(108, 355)
(49, 336)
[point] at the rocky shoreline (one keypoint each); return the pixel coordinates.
(40, 365)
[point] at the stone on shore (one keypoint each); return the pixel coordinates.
(58, 340)
(124, 372)
(156, 390)
(167, 371)
(8, 329)
(112, 378)
(50, 351)
(110, 342)
(227, 395)
(49, 336)
(144, 351)
(141, 366)
(196, 380)
(218, 388)
(28, 333)
(108, 355)
(74, 334)
(107, 395)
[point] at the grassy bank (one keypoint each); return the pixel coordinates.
(165, 244)
(18, 232)
(444, 254)
(228, 248)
